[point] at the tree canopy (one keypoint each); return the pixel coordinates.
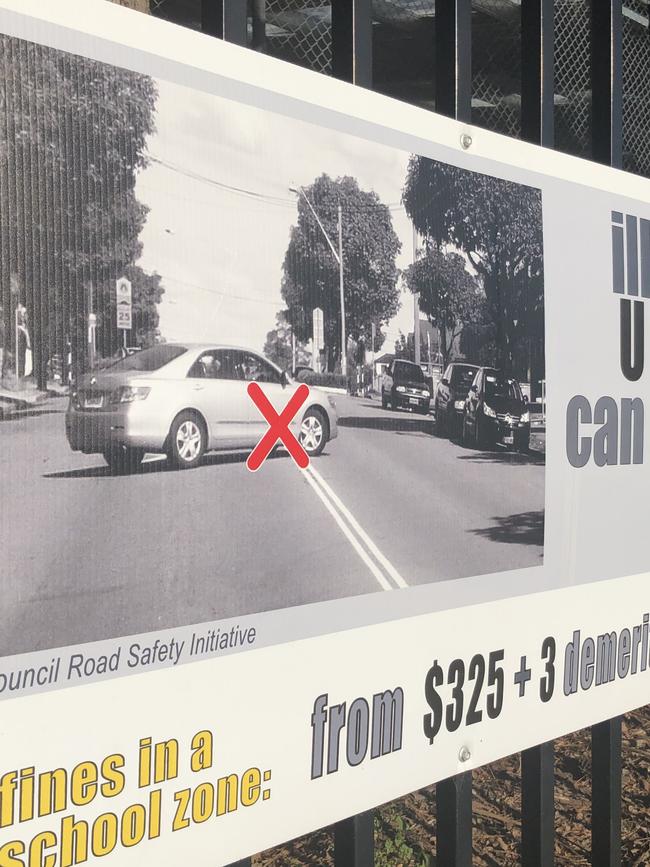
(449, 295)
(311, 271)
(278, 346)
(72, 140)
(498, 225)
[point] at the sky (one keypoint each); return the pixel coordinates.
(220, 252)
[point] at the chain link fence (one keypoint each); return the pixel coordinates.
(573, 77)
(299, 31)
(636, 87)
(496, 65)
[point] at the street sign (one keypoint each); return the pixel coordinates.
(123, 299)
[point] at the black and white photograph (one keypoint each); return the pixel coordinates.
(162, 248)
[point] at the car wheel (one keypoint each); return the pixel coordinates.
(313, 432)
(187, 440)
(122, 459)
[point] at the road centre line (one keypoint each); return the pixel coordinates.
(342, 515)
(381, 579)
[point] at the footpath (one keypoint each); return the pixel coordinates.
(18, 399)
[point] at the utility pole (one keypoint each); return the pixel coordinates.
(339, 258)
(374, 334)
(92, 324)
(341, 288)
(416, 305)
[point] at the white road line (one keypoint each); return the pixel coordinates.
(361, 533)
(381, 579)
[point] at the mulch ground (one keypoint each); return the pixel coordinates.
(405, 830)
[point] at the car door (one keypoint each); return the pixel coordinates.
(219, 393)
(257, 369)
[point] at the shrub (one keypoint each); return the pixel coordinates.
(327, 380)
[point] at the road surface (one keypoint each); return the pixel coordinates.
(87, 555)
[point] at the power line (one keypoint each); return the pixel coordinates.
(254, 194)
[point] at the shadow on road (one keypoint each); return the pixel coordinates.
(405, 424)
(161, 466)
(525, 528)
(503, 456)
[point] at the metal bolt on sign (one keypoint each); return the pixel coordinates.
(466, 141)
(464, 755)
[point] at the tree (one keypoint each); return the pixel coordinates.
(449, 295)
(278, 347)
(311, 272)
(72, 140)
(498, 225)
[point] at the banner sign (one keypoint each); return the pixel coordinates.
(453, 571)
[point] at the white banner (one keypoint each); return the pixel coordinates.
(227, 659)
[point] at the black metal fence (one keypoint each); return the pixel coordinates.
(572, 59)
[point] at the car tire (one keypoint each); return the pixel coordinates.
(314, 432)
(123, 459)
(187, 440)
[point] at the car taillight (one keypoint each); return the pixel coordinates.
(129, 394)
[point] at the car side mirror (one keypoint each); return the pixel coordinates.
(444, 380)
(473, 388)
(284, 379)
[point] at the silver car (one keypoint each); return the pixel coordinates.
(184, 400)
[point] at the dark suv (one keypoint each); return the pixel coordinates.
(404, 385)
(450, 398)
(496, 412)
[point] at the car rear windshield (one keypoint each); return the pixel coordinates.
(407, 372)
(150, 359)
(463, 377)
(497, 386)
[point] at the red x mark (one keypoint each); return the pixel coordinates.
(278, 427)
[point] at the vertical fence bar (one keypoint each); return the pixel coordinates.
(607, 81)
(226, 19)
(352, 41)
(454, 821)
(537, 72)
(354, 841)
(606, 793)
(538, 806)
(453, 60)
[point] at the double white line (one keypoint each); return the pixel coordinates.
(383, 570)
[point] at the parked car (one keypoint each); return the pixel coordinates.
(404, 386)
(451, 393)
(496, 411)
(184, 400)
